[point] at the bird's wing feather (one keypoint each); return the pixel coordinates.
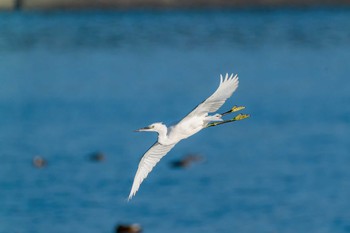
(148, 161)
(226, 88)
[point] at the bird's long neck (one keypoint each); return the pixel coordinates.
(162, 134)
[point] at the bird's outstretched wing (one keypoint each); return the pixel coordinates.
(148, 161)
(228, 85)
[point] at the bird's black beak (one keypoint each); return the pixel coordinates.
(142, 129)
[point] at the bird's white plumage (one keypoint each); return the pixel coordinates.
(195, 121)
(226, 88)
(148, 161)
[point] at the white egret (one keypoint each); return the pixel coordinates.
(195, 121)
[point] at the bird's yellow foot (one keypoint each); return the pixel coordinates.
(236, 118)
(233, 109)
(240, 117)
(237, 108)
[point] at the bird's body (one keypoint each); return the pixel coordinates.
(195, 121)
(185, 129)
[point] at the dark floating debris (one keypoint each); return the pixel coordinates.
(39, 162)
(97, 157)
(186, 161)
(128, 228)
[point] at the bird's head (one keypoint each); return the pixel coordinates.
(155, 127)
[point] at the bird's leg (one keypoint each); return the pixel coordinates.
(233, 109)
(236, 118)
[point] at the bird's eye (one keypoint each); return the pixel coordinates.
(152, 126)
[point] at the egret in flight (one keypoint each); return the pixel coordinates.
(195, 121)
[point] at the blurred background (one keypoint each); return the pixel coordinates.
(75, 84)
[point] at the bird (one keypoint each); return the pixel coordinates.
(186, 161)
(128, 228)
(97, 156)
(39, 162)
(191, 124)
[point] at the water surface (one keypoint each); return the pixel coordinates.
(77, 82)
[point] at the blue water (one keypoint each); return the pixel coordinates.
(72, 83)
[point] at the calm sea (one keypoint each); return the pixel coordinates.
(74, 83)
